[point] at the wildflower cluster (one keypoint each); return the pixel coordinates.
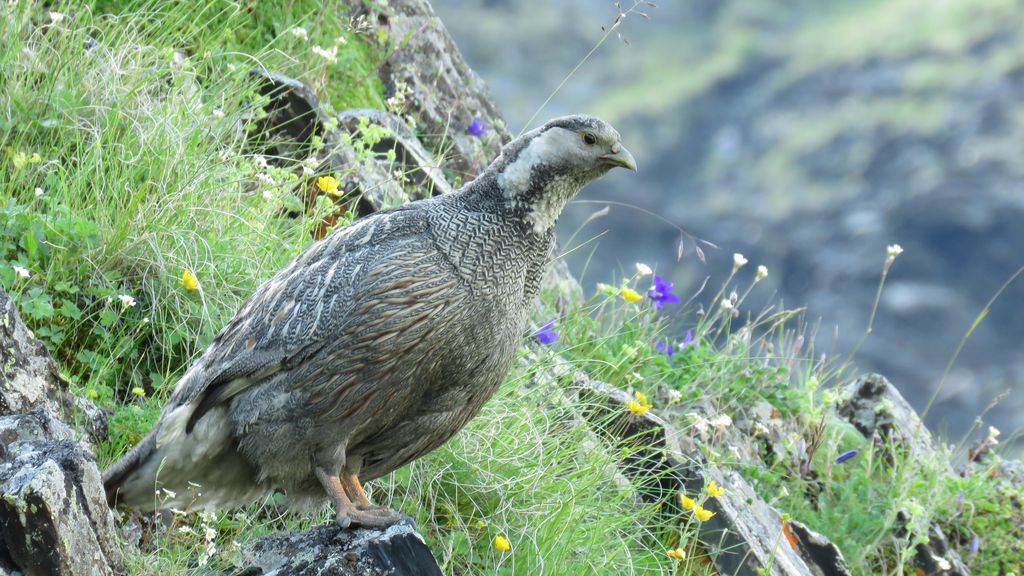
(639, 404)
(712, 490)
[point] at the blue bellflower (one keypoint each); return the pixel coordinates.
(665, 347)
(846, 456)
(547, 334)
(661, 293)
(476, 127)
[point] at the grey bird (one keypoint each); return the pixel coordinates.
(373, 347)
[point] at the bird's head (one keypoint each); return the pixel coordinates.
(539, 172)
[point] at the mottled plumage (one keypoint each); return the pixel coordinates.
(373, 347)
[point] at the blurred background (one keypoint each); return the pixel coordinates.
(808, 136)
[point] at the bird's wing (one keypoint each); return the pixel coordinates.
(301, 309)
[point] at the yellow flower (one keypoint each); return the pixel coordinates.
(687, 502)
(20, 160)
(702, 513)
(714, 490)
(631, 295)
(502, 543)
(189, 280)
(138, 391)
(329, 184)
(92, 394)
(640, 404)
(677, 553)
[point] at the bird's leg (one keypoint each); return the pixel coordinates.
(348, 513)
(354, 491)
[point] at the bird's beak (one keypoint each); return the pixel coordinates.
(619, 156)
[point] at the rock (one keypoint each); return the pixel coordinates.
(29, 378)
(874, 406)
(331, 551)
(411, 157)
(371, 178)
(440, 91)
(934, 557)
(293, 116)
(746, 536)
(54, 518)
(28, 375)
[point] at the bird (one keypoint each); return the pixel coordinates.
(373, 347)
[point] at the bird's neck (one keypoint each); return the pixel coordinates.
(534, 198)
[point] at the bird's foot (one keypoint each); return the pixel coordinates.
(368, 517)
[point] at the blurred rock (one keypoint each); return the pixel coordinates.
(54, 518)
(876, 408)
(430, 81)
(933, 557)
(331, 551)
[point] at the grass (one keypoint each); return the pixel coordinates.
(125, 162)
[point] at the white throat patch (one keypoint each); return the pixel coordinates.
(515, 179)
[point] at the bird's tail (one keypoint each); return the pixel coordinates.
(125, 470)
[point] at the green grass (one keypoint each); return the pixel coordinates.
(131, 119)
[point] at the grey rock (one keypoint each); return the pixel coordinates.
(28, 375)
(410, 155)
(293, 115)
(876, 408)
(440, 90)
(934, 557)
(29, 378)
(374, 180)
(53, 516)
(745, 536)
(332, 551)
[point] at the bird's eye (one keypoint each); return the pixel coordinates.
(589, 139)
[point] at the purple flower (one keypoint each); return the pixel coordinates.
(476, 127)
(661, 293)
(547, 334)
(846, 456)
(975, 545)
(665, 347)
(688, 341)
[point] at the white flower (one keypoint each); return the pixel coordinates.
(762, 273)
(993, 433)
(186, 530)
(218, 113)
(260, 160)
(309, 165)
(169, 493)
(127, 300)
(265, 178)
(22, 271)
(726, 304)
(39, 192)
(893, 251)
(340, 40)
(329, 55)
(738, 261)
(643, 269)
(674, 396)
(210, 533)
(721, 421)
(56, 17)
(300, 33)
